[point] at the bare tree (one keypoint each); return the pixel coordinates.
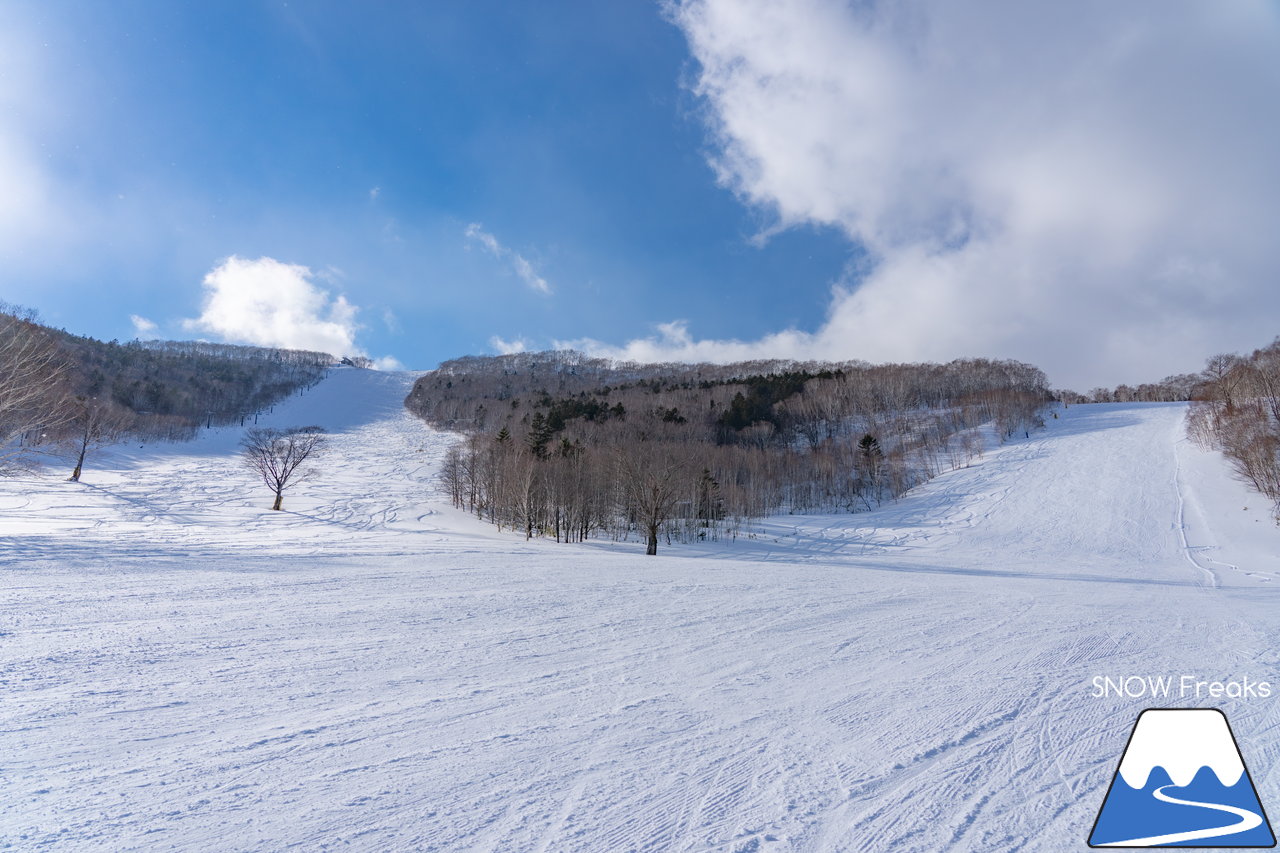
(652, 478)
(94, 423)
(1236, 410)
(278, 454)
(1223, 375)
(32, 372)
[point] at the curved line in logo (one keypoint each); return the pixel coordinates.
(1248, 820)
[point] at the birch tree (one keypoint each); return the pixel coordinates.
(32, 372)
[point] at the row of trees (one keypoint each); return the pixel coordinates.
(568, 447)
(76, 393)
(1236, 409)
(1177, 388)
(32, 375)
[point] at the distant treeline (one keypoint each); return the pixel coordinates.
(59, 388)
(1236, 409)
(571, 447)
(1178, 388)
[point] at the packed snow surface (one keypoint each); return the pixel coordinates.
(370, 669)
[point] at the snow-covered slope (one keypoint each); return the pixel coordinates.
(180, 500)
(1107, 491)
(370, 669)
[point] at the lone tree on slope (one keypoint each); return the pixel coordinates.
(278, 454)
(653, 480)
(94, 423)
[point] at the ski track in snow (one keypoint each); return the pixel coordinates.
(373, 670)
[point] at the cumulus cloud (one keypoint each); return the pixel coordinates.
(1087, 186)
(519, 264)
(269, 303)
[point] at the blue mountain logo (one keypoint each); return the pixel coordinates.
(1182, 783)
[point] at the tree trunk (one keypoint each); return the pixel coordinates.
(75, 475)
(652, 549)
(279, 500)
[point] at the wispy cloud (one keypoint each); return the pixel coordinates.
(142, 327)
(505, 347)
(673, 342)
(519, 264)
(1061, 184)
(391, 321)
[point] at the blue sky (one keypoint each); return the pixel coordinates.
(1088, 187)
(361, 140)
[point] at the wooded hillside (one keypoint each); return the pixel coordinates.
(573, 447)
(56, 387)
(1236, 409)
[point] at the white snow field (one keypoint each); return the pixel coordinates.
(183, 669)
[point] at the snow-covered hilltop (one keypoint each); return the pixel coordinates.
(371, 668)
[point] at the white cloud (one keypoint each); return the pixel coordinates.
(387, 362)
(505, 347)
(522, 268)
(1085, 186)
(269, 303)
(142, 327)
(673, 342)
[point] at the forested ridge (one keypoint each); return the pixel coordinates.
(190, 383)
(571, 447)
(57, 388)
